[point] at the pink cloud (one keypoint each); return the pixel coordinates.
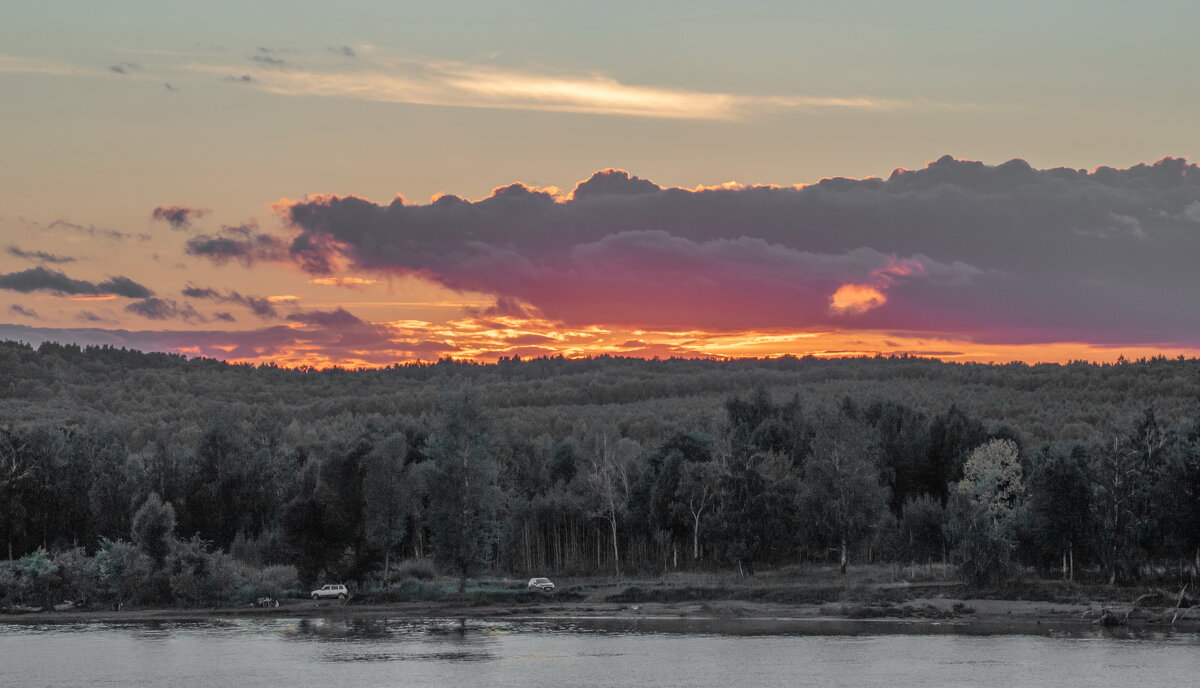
(1003, 253)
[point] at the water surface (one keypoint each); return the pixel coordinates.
(363, 653)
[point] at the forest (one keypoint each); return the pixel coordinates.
(145, 478)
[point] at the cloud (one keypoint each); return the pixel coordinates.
(18, 309)
(998, 253)
(61, 225)
(241, 243)
(261, 307)
(45, 279)
(163, 309)
(123, 286)
(459, 84)
(38, 256)
(124, 68)
(90, 317)
(268, 60)
(178, 216)
(345, 282)
(325, 338)
(14, 64)
(344, 51)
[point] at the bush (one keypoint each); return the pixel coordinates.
(410, 590)
(124, 572)
(35, 573)
(982, 546)
(262, 550)
(199, 577)
(77, 578)
(272, 581)
(415, 569)
(8, 581)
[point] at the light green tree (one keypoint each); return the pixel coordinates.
(983, 511)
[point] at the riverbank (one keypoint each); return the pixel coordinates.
(650, 605)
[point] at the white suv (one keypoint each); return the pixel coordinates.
(542, 584)
(338, 591)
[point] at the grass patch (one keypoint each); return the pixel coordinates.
(484, 592)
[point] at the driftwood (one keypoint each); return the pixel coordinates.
(1168, 615)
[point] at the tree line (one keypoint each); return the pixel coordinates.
(244, 497)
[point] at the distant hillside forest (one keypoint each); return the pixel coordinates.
(115, 463)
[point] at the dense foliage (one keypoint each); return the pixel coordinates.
(194, 478)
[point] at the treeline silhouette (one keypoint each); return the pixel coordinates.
(127, 476)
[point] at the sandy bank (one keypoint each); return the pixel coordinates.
(961, 616)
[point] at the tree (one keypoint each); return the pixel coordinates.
(154, 528)
(124, 570)
(1179, 499)
(464, 501)
(904, 445)
(982, 512)
(756, 518)
(310, 543)
(386, 497)
(1128, 472)
(1060, 505)
(951, 435)
(607, 481)
(109, 495)
(697, 492)
(922, 529)
(841, 495)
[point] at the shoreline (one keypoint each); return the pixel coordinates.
(916, 616)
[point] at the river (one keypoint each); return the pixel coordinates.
(363, 653)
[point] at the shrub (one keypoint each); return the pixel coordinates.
(77, 577)
(8, 581)
(124, 572)
(199, 577)
(271, 581)
(415, 569)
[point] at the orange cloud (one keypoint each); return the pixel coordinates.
(852, 299)
(342, 281)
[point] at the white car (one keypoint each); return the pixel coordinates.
(330, 591)
(542, 584)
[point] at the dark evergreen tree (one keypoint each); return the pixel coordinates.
(1060, 506)
(154, 528)
(464, 502)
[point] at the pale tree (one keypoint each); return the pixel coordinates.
(697, 492)
(607, 481)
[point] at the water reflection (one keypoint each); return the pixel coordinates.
(404, 640)
(631, 653)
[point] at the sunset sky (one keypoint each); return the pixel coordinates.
(370, 183)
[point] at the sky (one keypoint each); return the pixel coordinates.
(369, 183)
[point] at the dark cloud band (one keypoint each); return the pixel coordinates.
(1003, 253)
(45, 279)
